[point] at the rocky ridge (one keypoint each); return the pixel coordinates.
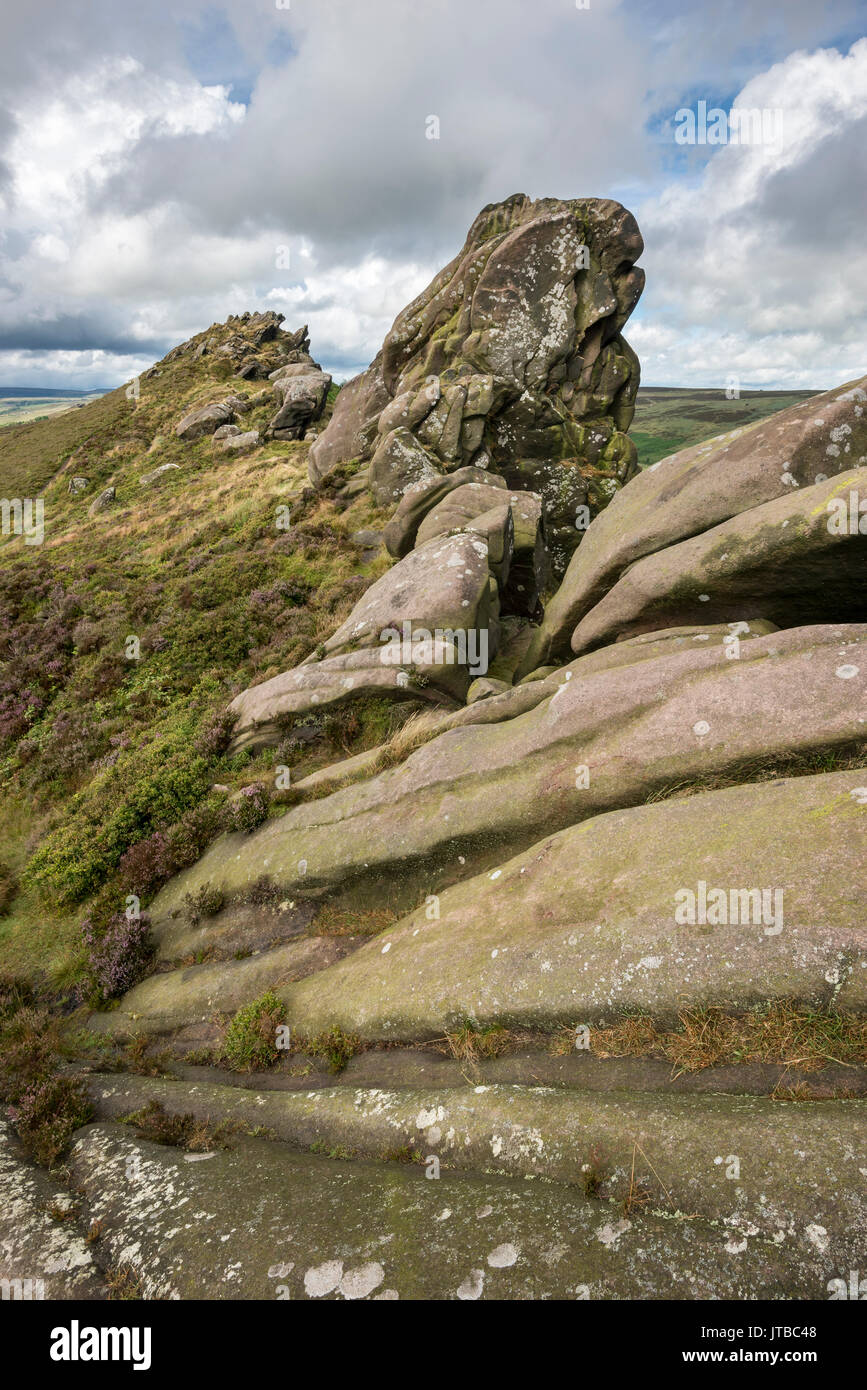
(632, 804)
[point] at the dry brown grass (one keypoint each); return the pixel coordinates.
(783, 1032)
(471, 1044)
(332, 920)
(418, 730)
(770, 769)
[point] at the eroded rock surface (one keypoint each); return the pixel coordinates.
(511, 360)
(479, 790)
(259, 1221)
(43, 1254)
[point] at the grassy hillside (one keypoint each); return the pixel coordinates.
(670, 418)
(101, 754)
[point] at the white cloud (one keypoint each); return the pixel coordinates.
(145, 203)
(761, 270)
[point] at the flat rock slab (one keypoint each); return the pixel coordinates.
(721, 909)
(199, 993)
(238, 927)
(578, 927)
(259, 1222)
(41, 1256)
(798, 1183)
(474, 794)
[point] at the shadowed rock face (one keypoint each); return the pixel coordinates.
(511, 360)
(698, 488)
(783, 559)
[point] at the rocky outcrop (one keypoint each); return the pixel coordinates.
(254, 344)
(508, 372)
(645, 813)
(479, 791)
(511, 360)
(241, 443)
(696, 490)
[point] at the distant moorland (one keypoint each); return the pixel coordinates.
(668, 418)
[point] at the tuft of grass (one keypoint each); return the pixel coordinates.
(405, 1154)
(793, 1034)
(155, 1123)
(592, 1174)
(138, 1058)
(338, 1151)
(419, 729)
(250, 1043)
(334, 1046)
(332, 920)
(472, 1044)
(124, 1284)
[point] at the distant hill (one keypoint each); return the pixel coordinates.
(19, 404)
(35, 392)
(668, 418)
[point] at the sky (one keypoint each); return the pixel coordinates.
(164, 165)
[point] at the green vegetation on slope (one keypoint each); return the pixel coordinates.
(110, 749)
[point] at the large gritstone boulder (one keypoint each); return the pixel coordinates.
(511, 360)
(301, 392)
(427, 627)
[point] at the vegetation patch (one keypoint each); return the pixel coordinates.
(155, 1123)
(470, 1043)
(44, 1107)
(792, 1034)
(250, 1043)
(334, 1046)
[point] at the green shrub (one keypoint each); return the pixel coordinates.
(251, 1040)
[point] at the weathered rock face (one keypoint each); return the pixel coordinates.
(477, 791)
(206, 420)
(42, 1256)
(787, 561)
(698, 488)
(241, 443)
(422, 498)
(301, 394)
(278, 1224)
(574, 929)
(511, 360)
